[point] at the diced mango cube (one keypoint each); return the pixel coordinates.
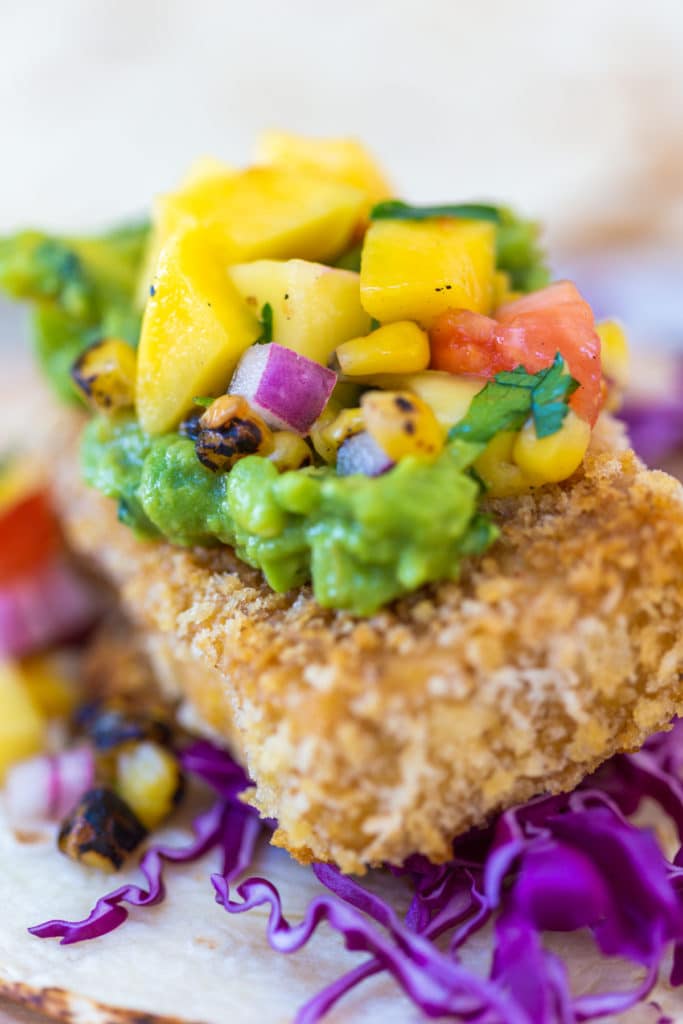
(414, 270)
(204, 168)
(22, 728)
(401, 347)
(266, 212)
(51, 682)
(447, 395)
(343, 160)
(194, 332)
(314, 307)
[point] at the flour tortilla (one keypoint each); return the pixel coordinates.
(188, 961)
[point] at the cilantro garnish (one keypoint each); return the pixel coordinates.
(508, 401)
(204, 400)
(266, 322)
(396, 209)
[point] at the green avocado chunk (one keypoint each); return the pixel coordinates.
(361, 542)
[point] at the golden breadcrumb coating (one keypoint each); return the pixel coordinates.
(370, 740)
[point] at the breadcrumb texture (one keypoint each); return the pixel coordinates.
(370, 740)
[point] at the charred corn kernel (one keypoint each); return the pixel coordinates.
(401, 347)
(344, 426)
(290, 451)
(402, 424)
(148, 778)
(51, 683)
(230, 430)
(614, 351)
(324, 445)
(22, 727)
(502, 477)
(550, 459)
(101, 831)
(105, 375)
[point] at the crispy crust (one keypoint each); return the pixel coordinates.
(371, 740)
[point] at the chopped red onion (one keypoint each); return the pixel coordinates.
(47, 788)
(53, 604)
(287, 389)
(362, 454)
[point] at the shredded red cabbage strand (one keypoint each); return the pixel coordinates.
(557, 863)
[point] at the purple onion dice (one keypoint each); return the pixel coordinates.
(362, 454)
(46, 788)
(287, 389)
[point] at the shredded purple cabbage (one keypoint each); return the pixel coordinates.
(557, 863)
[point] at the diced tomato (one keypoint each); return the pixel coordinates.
(29, 535)
(527, 332)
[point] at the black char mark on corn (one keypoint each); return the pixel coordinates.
(101, 831)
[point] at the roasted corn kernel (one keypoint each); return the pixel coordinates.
(290, 451)
(345, 425)
(230, 430)
(148, 778)
(323, 444)
(401, 347)
(113, 724)
(497, 470)
(105, 375)
(101, 831)
(550, 459)
(402, 424)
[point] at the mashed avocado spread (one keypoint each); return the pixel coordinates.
(361, 541)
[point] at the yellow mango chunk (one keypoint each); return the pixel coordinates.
(545, 460)
(448, 396)
(315, 307)
(203, 169)
(22, 729)
(414, 270)
(614, 352)
(194, 332)
(51, 682)
(401, 347)
(343, 160)
(263, 212)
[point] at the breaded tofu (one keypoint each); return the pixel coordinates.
(373, 739)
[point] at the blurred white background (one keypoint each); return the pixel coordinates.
(572, 111)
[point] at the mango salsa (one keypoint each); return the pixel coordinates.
(22, 729)
(194, 331)
(414, 270)
(314, 307)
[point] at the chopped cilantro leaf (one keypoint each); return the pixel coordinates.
(395, 209)
(507, 402)
(266, 321)
(204, 400)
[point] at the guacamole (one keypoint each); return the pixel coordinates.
(361, 542)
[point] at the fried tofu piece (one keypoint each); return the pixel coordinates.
(370, 740)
